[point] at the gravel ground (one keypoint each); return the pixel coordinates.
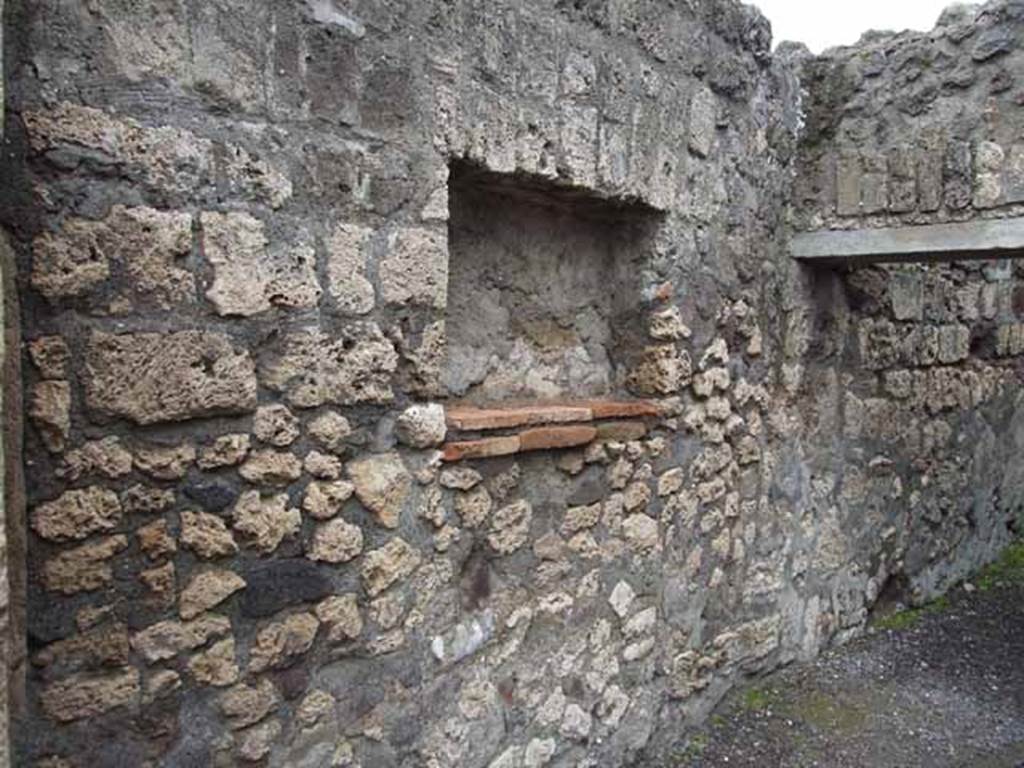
(945, 692)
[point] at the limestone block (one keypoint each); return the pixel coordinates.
(215, 666)
(330, 429)
(268, 467)
(473, 506)
(265, 521)
(167, 639)
(147, 245)
(313, 368)
(163, 462)
(341, 616)
(207, 535)
(244, 705)
(703, 121)
(336, 541)
(156, 540)
(662, 370)
(206, 590)
(88, 695)
(255, 743)
(324, 500)
(421, 426)
(77, 514)
(322, 466)
(414, 270)
(247, 278)
(106, 457)
(85, 568)
(510, 527)
(226, 451)
(279, 643)
(667, 325)
(579, 134)
(151, 378)
(346, 269)
(140, 500)
(460, 478)
(382, 484)
(50, 356)
(386, 566)
(275, 425)
(50, 411)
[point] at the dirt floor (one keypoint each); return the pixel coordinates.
(938, 687)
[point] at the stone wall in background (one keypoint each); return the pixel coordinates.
(233, 239)
(917, 127)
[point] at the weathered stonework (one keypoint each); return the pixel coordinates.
(336, 317)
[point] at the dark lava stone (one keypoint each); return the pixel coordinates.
(274, 586)
(212, 497)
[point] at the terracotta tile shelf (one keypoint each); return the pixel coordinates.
(544, 426)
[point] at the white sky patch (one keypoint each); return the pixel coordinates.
(821, 24)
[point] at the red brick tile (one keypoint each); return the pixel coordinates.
(545, 438)
(480, 419)
(622, 409)
(621, 431)
(480, 449)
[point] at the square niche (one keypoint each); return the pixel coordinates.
(544, 299)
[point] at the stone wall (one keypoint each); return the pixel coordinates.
(239, 271)
(915, 127)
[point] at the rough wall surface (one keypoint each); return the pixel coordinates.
(232, 225)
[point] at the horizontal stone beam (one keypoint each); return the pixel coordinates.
(964, 241)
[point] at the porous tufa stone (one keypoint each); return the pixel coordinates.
(421, 426)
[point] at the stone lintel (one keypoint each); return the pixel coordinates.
(961, 241)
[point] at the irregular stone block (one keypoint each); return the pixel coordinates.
(510, 527)
(324, 500)
(382, 484)
(421, 426)
(385, 566)
(414, 270)
(271, 468)
(703, 121)
(148, 246)
(243, 705)
(337, 541)
(215, 666)
(279, 644)
(77, 514)
(85, 568)
(662, 370)
(275, 425)
(265, 521)
(341, 615)
(352, 367)
(169, 638)
(156, 540)
(50, 356)
(88, 695)
(226, 451)
(151, 378)
(50, 412)
(165, 462)
(206, 590)
(247, 278)
(346, 270)
(330, 430)
(105, 457)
